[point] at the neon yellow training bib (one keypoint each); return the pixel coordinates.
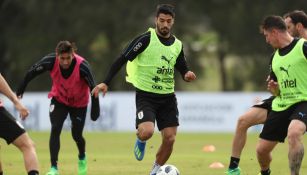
(153, 69)
(291, 73)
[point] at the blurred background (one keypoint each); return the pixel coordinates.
(223, 47)
(221, 38)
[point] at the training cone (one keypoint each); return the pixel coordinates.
(216, 165)
(209, 148)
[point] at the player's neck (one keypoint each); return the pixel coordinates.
(304, 34)
(285, 40)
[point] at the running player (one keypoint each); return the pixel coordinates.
(72, 81)
(152, 58)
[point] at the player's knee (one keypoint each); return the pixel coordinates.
(261, 150)
(77, 137)
(294, 136)
(169, 139)
(56, 130)
(145, 135)
(243, 122)
(145, 132)
(31, 145)
(26, 144)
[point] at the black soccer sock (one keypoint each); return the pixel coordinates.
(81, 156)
(266, 172)
(1, 173)
(33, 172)
(234, 162)
(81, 148)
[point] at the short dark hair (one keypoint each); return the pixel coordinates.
(165, 9)
(273, 22)
(65, 47)
(297, 16)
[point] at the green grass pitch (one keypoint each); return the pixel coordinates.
(110, 153)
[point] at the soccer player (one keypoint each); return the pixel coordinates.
(13, 132)
(152, 58)
(289, 107)
(296, 22)
(72, 81)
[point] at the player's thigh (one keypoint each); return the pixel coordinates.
(78, 116)
(254, 116)
(23, 141)
(58, 113)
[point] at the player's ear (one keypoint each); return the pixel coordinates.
(299, 26)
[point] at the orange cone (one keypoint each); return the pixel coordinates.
(209, 148)
(216, 165)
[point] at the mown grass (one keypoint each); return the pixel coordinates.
(111, 153)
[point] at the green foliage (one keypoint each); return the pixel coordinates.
(211, 29)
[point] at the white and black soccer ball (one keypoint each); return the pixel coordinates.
(168, 170)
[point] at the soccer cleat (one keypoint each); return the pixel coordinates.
(236, 171)
(139, 149)
(53, 171)
(82, 167)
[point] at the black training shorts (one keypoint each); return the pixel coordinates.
(276, 126)
(265, 104)
(155, 107)
(10, 128)
(58, 113)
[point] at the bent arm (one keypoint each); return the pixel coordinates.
(181, 64)
(7, 91)
(45, 64)
(133, 49)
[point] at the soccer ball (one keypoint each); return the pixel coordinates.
(168, 170)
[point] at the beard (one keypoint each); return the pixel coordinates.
(295, 34)
(164, 31)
